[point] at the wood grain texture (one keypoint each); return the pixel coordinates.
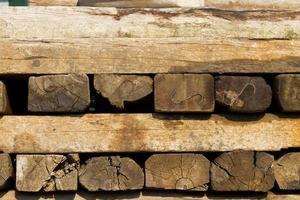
(184, 93)
(111, 173)
(88, 22)
(36, 173)
(145, 195)
(206, 40)
(58, 93)
(286, 171)
(220, 4)
(147, 133)
(242, 171)
(143, 3)
(52, 2)
(287, 92)
(244, 94)
(177, 172)
(253, 4)
(148, 55)
(119, 89)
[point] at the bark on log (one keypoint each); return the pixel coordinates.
(28, 23)
(184, 93)
(243, 93)
(147, 133)
(188, 55)
(286, 171)
(47, 173)
(111, 174)
(4, 100)
(287, 92)
(242, 171)
(52, 2)
(253, 4)
(177, 171)
(6, 171)
(59, 93)
(123, 88)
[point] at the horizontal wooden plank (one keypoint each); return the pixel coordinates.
(148, 55)
(121, 3)
(221, 4)
(147, 133)
(87, 22)
(253, 4)
(52, 2)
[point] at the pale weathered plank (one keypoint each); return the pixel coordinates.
(121, 3)
(147, 133)
(87, 22)
(143, 3)
(253, 4)
(220, 4)
(148, 56)
(52, 2)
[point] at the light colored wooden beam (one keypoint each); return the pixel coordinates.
(148, 55)
(87, 22)
(52, 2)
(220, 4)
(147, 133)
(253, 4)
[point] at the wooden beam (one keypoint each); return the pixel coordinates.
(52, 2)
(87, 22)
(253, 4)
(220, 4)
(148, 55)
(147, 133)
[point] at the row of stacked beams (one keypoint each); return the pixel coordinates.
(248, 42)
(172, 92)
(222, 4)
(229, 171)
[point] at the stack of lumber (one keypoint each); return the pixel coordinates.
(160, 99)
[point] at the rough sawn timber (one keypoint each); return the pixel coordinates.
(148, 55)
(87, 22)
(147, 133)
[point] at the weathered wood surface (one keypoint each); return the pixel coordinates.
(5, 107)
(220, 4)
(119, 89)
(52, 2)
(184, 93)
(242, 171)
(47, 173)
(143, 3)
(243, 94)
(6, 171)
(148, 56)
(177, 172)
(286, 171)
(111, 173)
(147, 133)
(287, 92)
(85, 22)
(145, 195)
(58, 93)
(253, 4)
